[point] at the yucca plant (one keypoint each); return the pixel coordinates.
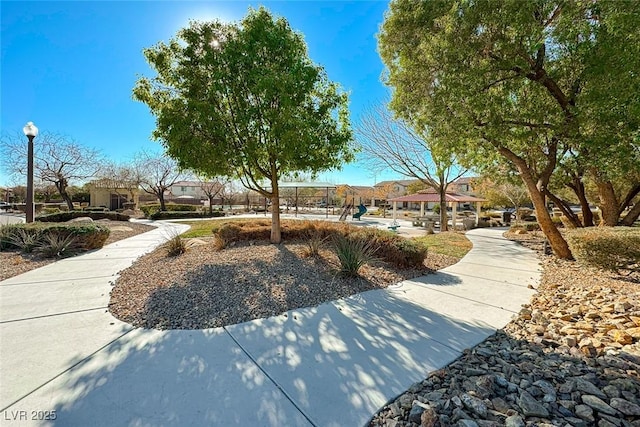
(353, 253)
(26, 240)
(54, 245)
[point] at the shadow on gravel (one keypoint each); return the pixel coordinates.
(517, 378)
(224, 294)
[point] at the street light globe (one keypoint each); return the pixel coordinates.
(30, 129)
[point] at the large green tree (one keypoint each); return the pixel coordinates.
(519, 82)
(245, 100)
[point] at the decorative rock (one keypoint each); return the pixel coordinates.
(406, 401)
(530, 406)
(598, 404)
(589, 388)
(474, 404)
(514, 421)
(585, 412)
(634, 332)
(467, 423)
(626, 407)
(429, 418)
(415, 415)
(620, 336)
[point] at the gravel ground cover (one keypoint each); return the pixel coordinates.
(206, 288)
(570, 358)
(13, 263)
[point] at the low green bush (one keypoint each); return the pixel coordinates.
(67, 216)
(388, 246)
(29, 237)
(528, 226)
(614, 249)
(183, 215)
(150, 209)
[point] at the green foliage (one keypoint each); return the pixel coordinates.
(175, 245)
(54, 245)
(150, 209)
(613, 249)
(66, 216)
(528, 226)
(528, 85)
(353, 252)
(7, 233)
(388, 246)
(184, 215)
(26, 239)
(244, 100)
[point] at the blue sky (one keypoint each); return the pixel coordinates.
(70, 66)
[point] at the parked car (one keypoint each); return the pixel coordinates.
(4, 206)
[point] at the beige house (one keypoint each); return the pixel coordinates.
(113, 194)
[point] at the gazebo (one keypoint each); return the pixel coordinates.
(451, 198)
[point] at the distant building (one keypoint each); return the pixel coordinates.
(113, 194)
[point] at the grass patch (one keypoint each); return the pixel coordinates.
(448, 243)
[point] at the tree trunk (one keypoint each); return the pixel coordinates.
(608, 203)
(578, 189)
(632, 215)
(566, 210)
(61, 185)
(559, 246)
(161, 199)
(444, 219)
(276, 236)
(211, 205)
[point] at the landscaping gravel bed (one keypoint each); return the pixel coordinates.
(570, 358)
(13, 263)
(206, 288)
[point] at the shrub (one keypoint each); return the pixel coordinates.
(56, 245)
(393, 248)
(353, 252)
(183, 215)
(614, 249)
(389, 246)
(314, 241)
(150, 209)
(67, 216)
(6, 235)
(175, 245)
(26, 239)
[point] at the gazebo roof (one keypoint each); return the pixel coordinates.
(435, 197)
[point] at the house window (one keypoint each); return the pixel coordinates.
(183, 189)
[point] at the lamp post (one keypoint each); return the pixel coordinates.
(31, 131)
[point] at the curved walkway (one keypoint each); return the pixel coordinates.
(331, 365)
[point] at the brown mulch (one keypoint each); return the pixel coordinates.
(206, 288)
(13, 263)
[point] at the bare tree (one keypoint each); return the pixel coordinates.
(58, 160)
(390, 144)
(157, 173)
(212, 187)
(229, 192)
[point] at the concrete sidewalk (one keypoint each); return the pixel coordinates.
(331, 365)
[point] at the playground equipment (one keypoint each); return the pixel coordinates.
(361, 211)
(346, 211)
